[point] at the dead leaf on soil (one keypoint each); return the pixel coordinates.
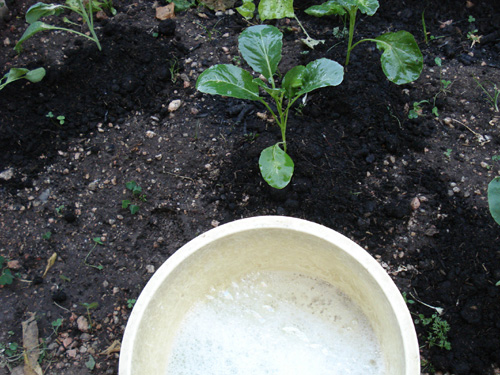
(30, 344)
(113, 348)
(166, 12)
(219, 5)
(50, 263)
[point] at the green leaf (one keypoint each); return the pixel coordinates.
(247, 9)
(14, 74)
(326, 9)
(125, 203)
(133, 209)
(6, 277)
(39, 10)
(368, 7)
(228, 80)
(32, 29)
(2, 261)
(275, 9)
(181, 5)
(261, 46)
(292, 81)
(321, 73)
(494, 199)
(276, 166)
(98, 240)
(35, 75)
(402, 61)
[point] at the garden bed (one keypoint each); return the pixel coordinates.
(411, 191)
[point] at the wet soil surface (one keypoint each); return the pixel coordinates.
(412, 192)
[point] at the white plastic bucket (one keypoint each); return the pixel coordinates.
(258, 244)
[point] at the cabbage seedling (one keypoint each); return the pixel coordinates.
(260, 47)
(84, 9)
(35, 75)
(401, 60)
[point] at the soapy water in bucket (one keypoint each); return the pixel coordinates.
(278, 323)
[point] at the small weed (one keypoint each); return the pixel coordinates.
(47, 235)
(59, 210)
(10, 349)
(61, 119)
(237, 60)
(174, 69)
(438, 330)
(130, 303)
(136, 192)
(6, 276)
(97, 241)
(417, 109)
(56, 324)
(90, 364)
(88, 307)
(492, 98)
(447, 153)
(407, 300)
(210, 32)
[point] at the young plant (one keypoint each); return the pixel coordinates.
(85, 9)
(260, 47)
(14, 74)
(401, 60)
(438, 330)
(494, 98)
(97, 241)
(136, 192)
(88, 307)
(60, 119)
(6, 276)
(130, 303)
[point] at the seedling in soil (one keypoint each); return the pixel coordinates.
(85, 9)
(14, 74)
(6, 276)
(136, 192)
(438, 330)
(56, 324)
(61, 119)
(260, 46)
(492, 98)
(447, 153)
(130, 303)
(47, 235)
(417, 109)
(401, 60)
(97, 241)
(88, 307)
(59, 210)
(174, 69)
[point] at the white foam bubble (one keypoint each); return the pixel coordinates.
(277, 323)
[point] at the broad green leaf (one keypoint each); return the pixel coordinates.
(228, 80)
(39, 10)
(276, 166)
(326, 9)
(261, 47)
(14, 74)
(275, 9)
(292, 81)
(402, 61)
(321, 73)
(35, 75)
(6, 277)
(275, 93)
(494, 199)
(247, 9)
(32, 29)
(133, 209)
(368, 7)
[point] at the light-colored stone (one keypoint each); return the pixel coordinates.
(83, 324)
(174, 105)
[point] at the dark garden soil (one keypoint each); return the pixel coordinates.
(412, 192)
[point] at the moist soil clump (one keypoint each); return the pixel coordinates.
(411, 191)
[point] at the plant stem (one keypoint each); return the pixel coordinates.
(302, 27)
(352, 22)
